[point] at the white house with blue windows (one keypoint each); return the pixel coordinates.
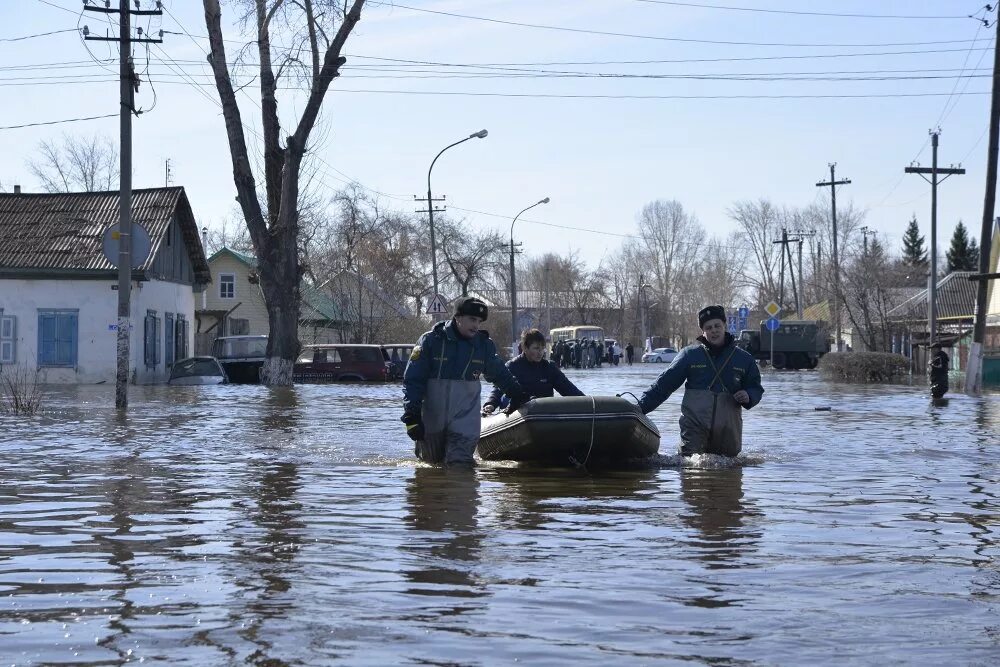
(58, 298)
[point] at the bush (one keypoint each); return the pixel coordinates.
(864, 367)
(20, 391)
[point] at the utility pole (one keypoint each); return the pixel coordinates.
(832, 184)
(785, 240)
(934, 171)
(802, 234)
(867, 231)
(166, 174)
(974, 373)
(548, 304)
(430, 211)
(781, 271)
(128, 85)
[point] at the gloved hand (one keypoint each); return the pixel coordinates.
(488, 409)
(516, 401)
(414, 427)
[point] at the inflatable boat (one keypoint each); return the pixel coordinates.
(569, 430)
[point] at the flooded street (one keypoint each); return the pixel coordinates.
(242, 525)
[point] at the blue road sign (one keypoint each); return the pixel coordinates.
(733, 324)
(744, 313)
(743, 323)
(773, 323)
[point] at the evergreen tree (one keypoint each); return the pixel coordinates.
(963, 255)
(914, 253)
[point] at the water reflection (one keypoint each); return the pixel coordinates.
(717, 511)
(281, 409)
(441, 504)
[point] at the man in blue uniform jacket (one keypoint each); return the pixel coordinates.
(722, 380)
(441, 385)
(539, 377)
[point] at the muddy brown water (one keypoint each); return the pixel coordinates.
(244, 525)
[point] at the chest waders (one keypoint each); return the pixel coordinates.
(451, 416)
(711, 423)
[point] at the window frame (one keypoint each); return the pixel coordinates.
(227, 279)
(73, 315)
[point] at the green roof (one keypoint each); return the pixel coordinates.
(249, 260)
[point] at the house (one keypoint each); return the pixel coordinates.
(956, 305)
(234, 305)
(58, 298)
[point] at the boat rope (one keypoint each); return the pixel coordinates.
(590, 448)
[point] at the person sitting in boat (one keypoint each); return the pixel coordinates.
(538, 376)
(721, 379)
(441, 385)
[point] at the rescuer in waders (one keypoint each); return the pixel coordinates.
(441, 385)
(938, 370)
(538, 376)
(722, 381)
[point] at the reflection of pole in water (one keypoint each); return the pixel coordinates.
(442, 503)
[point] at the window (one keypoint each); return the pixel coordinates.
(168, 339)
(151, 339)
(239, 326)
(7, 340)
(181, 338)
(57, 337)
(227, 285)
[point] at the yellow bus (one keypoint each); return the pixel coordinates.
(577, 332)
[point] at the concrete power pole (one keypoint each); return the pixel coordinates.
(128, 84)
(832, 184)
(934, 171)
(974, 373)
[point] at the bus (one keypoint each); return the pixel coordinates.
(577, 332)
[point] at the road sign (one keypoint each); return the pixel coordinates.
(733, 324)
(744, 312)
(140, 245)
(772, 309)
(772, 324)
(437, 306)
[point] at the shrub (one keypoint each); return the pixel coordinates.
(864, 367)
(20, 390)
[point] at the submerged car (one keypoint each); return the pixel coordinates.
(241, 357)
(197, 371)
(661, 355)
(397, 354)
(341, 362)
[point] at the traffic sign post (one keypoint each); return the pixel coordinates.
(772, 325)
(437, 306)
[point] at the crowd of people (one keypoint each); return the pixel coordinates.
(590, 353)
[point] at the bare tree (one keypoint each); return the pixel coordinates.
(471, 256)
(871, 289)
(316, 31)
(760, 222)
(77, 164)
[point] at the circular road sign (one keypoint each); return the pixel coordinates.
(140, 245)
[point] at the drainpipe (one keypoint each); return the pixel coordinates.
(204, 248)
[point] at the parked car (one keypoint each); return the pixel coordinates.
(197, 370)
(661, 355)
(397, 354)
(341, 362)
(241, 357)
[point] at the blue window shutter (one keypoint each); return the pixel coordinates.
(46, 339)
(73, 325)
(168, 339)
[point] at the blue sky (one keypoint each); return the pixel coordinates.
(599, 159)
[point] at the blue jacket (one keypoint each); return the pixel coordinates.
(443, 354)
(693, 364)
(538, 379)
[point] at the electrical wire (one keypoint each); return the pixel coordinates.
(57, 122)
(799, 12)
(40, 34)
(604, 33)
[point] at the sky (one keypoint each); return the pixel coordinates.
(599, 147)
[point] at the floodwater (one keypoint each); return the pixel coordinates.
(244, 525)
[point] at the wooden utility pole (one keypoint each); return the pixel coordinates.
(832, 184)
(784, 241)
(128, 84)
(974, 370)
(934, 171)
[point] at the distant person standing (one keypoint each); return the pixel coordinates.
(629, 352)
(938, 371)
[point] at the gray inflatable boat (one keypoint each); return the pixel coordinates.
(570, 430)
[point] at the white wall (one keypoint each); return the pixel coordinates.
(97, 306)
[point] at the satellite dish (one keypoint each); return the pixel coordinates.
(140, 245)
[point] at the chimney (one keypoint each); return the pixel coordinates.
(17, 189)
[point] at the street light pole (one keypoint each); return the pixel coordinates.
(513, 283)
(481, 134)
(642, 310)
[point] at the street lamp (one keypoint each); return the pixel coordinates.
(642, 312)
(513, 284)
(481, 134)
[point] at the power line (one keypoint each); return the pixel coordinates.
(40, 34)
(604, 33)
(799, 13)
(57, 122)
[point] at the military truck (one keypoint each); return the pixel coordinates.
(797, 343)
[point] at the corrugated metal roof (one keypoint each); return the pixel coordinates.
(63, 231)
(956, 299)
